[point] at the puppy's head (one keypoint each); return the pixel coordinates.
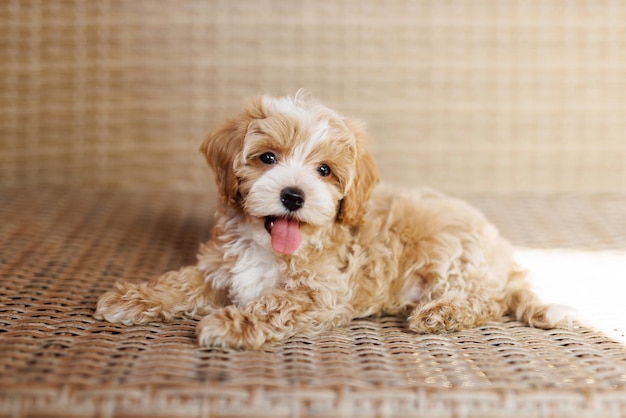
(291, 164)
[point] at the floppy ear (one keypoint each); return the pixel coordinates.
(223, 145)
(353, 204)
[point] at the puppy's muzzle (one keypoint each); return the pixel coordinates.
(292, 198)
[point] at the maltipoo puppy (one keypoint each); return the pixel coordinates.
(304, 241)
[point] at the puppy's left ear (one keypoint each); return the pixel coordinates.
(224, 145)
(352, 207)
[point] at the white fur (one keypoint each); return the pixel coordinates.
(287, 105)
(561, 315)
(119, 317)
(302, 151)
(256, 270)
(263, 198)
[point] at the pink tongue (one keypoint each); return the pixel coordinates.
(286, 236)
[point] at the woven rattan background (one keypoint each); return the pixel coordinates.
(469, 96)
(60, 250)
(464, 95)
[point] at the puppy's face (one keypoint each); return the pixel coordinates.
(292, 165)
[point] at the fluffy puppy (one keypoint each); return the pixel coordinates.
(305, 241)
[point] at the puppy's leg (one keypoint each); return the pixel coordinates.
(271, 317)
(455, 310)
(173, 294)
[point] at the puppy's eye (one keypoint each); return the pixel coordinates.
(323, 170)
(268, 158)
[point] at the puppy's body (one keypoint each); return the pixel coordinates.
(304, 242)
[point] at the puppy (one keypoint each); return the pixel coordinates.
(305, 241)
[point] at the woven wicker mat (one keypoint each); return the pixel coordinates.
(59, 250)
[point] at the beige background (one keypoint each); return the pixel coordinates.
(467, 96)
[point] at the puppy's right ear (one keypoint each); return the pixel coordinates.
(224, 145)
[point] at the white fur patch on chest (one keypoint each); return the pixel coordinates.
(255, 272)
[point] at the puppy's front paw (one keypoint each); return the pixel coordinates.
(435, 317)
(129, 304)
(229, 327)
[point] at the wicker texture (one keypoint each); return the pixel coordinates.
(103, 105)
(61, 249)
(514, 95)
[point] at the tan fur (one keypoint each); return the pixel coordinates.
(222, 145)
(431, 258)
(354, 203)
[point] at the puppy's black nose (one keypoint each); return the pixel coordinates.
(292, 198)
